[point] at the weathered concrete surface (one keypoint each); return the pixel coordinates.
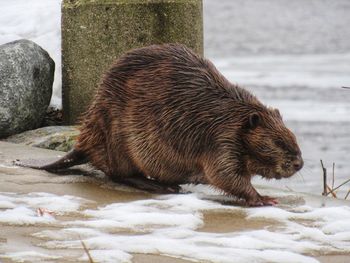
(95, 187)
(96, 32)
(26, 77)
(59, 138)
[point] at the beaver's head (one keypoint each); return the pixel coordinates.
(271, 148)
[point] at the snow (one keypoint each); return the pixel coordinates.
(39, 21)
(30, 256)
(171, 225)
(17, 209)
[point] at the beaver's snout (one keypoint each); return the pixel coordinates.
(298, 163)
(290, 167)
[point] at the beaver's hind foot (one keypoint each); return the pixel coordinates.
(149, 185)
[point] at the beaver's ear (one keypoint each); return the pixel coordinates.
(278, 113)
(253, 120)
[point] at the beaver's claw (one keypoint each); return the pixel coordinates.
(262, 201)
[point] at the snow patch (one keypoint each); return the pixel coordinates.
(38, 21)
(30, 256)
(20, 209)
(170, 225)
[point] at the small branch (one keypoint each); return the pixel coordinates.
(346, 87)
(289, 189)
(333, 175)
(324, 179)
(330, 191)
(347, 194)
(87, 251)
(340, 185)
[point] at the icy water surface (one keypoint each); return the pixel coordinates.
(294, 55)
(119, 224)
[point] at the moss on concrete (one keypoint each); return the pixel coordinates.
(95, 33)
(75, 3)
(59, 138)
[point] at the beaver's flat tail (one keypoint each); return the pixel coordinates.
(74, 157)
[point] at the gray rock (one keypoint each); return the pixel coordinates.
(26, 78)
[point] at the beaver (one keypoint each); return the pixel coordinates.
(164, 116)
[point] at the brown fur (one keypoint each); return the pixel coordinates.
(165, 113)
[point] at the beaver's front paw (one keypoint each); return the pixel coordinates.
(262, 201)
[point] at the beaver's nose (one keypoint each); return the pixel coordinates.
(298, 163)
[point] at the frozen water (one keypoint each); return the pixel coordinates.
(171, 225)
(16, 209)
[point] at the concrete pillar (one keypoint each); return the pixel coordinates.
(96, 32)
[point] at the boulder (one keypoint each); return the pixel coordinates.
(26, 78)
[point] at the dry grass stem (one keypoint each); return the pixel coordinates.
(324, 179)
(333, 175)
(340, 185)
(289, 189)
(87, 251)
(347, 194)
(330, 191)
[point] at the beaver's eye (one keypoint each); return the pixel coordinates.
(288, 150)
(282, 145)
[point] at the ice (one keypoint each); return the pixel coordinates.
(109, 256)
(171, 225)
(30, 256)
(23, 216)
(167, 211)
(312, 70)
(17, 209)
(52, 202)
(303, 87)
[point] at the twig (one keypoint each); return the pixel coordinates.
(347, 194)
(290, 189)
(324, 179)
(346, 87)
(330, 191)
(333, 175)
(340, 185)
(87, 251)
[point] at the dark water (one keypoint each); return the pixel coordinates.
(294, 55)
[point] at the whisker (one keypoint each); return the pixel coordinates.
(307, 170)
(301, 176)
(307, 159)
